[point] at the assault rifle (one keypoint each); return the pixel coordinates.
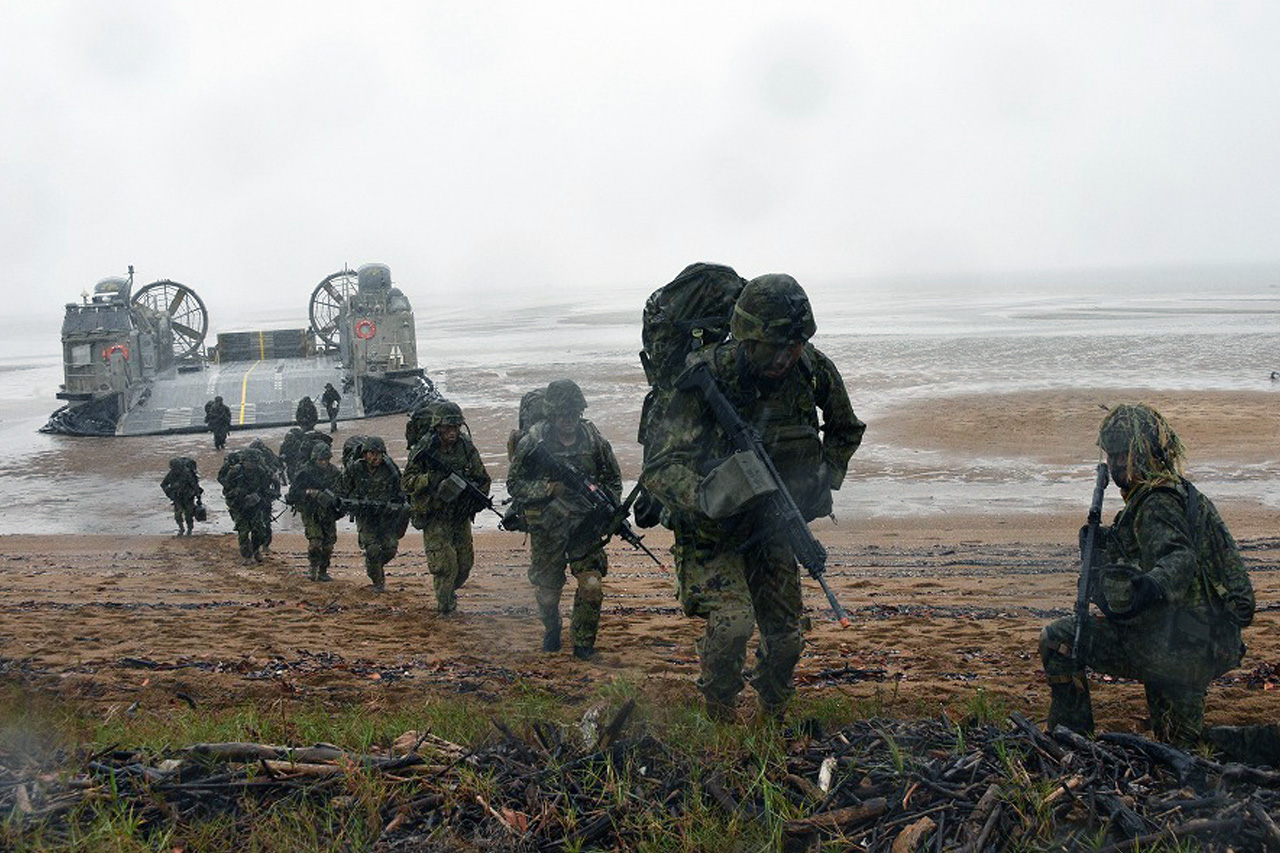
(781, 510)
(1087, 568)
(607, 518)
(470, 490)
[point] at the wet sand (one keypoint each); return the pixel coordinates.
(942, 605)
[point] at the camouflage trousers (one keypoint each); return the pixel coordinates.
(184, 513)
(735, 592)
(450, 556)
(253, 528)
(380, 540)
(547, 566)
(1175, 680)
(322, 535)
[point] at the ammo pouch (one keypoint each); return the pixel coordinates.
(451, 488)
(557, 514)
(733, 484)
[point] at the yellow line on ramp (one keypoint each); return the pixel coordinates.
(244, 390)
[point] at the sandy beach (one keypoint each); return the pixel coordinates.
(943, 604)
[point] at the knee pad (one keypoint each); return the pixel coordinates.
(590, 587)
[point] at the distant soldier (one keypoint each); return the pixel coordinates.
(306, 415)
(182, 486)
(331, 400)
(372, 491)
(218, 418)
(1171, 586)
(249, 486)
(441, 506)
(552, 512)
(737, 570)
(313, 492)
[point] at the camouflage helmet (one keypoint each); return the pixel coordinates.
(373, 444)
(564, 397)
(774, 309)
(321, 452)
(1155, 453)
(447, 413)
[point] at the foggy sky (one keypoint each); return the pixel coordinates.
(250, 148)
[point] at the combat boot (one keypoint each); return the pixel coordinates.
(190, 526)
(313, 573)
(180, 530)
(551, 638)
(585, 653)
(1069, 704)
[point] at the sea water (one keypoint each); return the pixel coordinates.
(896, 341)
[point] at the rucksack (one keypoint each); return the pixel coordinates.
(531, 412)
(1225, 580)
(689, 313)
(419, 423)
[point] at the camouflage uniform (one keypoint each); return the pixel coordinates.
(733, 572)
(379, 527)
(443, 515)
(249, 486)
(182, 486)
(306, 415)
(291, 452)
(331, 400)
(552, 511)
(313, 493)
(218, 418)
(1158, 625)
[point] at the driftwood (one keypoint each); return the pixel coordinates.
(876, 785)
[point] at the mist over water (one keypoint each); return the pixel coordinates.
(895, 342)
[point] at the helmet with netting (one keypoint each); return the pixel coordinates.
(564, 397)
(448, 414)
(774, 309)
(373, 444)
(1154, 451)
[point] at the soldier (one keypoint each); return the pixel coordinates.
(331, 400)
(1172, 589)
(314, 494)
(249, 486)
(291, 452)
(218, 418)
(371, 487)
(306, 415)
(552, 511)
(442, 507)
(182, 486)
(736, 572)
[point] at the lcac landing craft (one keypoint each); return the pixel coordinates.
(136, 363)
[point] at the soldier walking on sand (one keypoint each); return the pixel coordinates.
(739, 572)
(552, 511)
(313, 492)
(331, 400)
(249, 486)
(1172, 589)
(442, 507)
(370, 488)
(182, 486)
(218, 418)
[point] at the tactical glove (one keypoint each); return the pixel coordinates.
(1146, 592)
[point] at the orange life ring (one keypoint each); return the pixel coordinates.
(365, 329)
(120, 348)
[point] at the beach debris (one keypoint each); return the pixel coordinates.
(883, 785)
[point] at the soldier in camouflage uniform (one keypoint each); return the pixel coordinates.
(249, 486)
(735, 572)
(552, 511)
(306, 415)
(1161, 622)
(440, 509)
(182, 486)
(371, 487)
(217, 416)
(331, 400)
(314, 494)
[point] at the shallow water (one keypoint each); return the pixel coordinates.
(895, 342)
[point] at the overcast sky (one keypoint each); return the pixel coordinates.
(250, 148)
